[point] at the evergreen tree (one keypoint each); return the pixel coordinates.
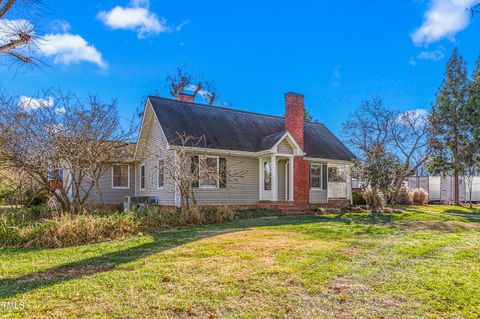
(471, 154)
(449, 122)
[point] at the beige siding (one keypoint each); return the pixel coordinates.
(240, 191)
(105, 191)
(281, 180)
(153, 150)
(284, 147)
(318, 196)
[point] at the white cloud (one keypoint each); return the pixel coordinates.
(67, 48)
(136, 17)
(203, 93)
(30, 103)
(61, 110)
(436, 55)
(412, 61)
(417, 117)
(60, 26)
(443, 19)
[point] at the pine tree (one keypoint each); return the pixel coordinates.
(449, 122)
(471, 154)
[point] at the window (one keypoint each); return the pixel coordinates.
(209, 172)
(142, 176)
(223, 172)
(318, 176)
(55, 174)
(160, 174)
(267, 175)
(121, 176)
(315, 176)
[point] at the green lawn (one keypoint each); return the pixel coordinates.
(446, 209)
(410, 265)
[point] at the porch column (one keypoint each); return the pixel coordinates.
(349, 184)
(274, 178)
(290, 179)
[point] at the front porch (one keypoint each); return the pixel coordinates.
(331, 187)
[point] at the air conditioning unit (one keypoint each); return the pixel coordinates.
(130, 202)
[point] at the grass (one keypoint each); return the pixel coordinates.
(446, 209)
(410, 265)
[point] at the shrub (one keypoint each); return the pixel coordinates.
(194, 215)
(157, 218)
(404, 196)
(217, 214)
(358, 199)
(69, 230)
(373, 198)
(419, 196)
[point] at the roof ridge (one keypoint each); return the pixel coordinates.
(225, 108)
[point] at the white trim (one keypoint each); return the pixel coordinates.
(321, 176)
(148, 105)
(274, 175)
(128, 174)
(216, 151)
(325, 160)
(286, 181)
(297, 150)
(260, 178)
(291, 172)
(158, 171)
(140, 177)
(200, 172)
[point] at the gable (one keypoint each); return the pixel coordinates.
(284, 147)
(151, 135)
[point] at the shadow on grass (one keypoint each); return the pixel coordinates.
(10, 287)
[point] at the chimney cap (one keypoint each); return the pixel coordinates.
(293, 93)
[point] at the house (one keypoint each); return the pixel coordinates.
(286, 161)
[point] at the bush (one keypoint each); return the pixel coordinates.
(373, 198)
(157, 218)
(419, 196)
(404, 196)
(67, 230)
(358, 199)
(217, 214)
(30, 226)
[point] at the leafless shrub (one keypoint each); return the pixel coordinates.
(62, 142)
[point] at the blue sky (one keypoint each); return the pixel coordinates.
(335, 53)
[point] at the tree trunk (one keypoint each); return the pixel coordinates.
(456, 188)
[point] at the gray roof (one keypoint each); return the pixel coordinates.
(230, 129)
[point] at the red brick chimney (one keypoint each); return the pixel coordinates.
(185, 97)
(294, 124)
(294, 116)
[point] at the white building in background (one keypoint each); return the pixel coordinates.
(441, 188)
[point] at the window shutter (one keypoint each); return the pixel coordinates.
(222, 164)
(324, 176)
(195, 170)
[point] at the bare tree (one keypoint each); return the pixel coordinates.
(410, 140)
(182, 80)
(186, 167)
(63, 143)
(381, 135)
(17, 29)
(369, 128)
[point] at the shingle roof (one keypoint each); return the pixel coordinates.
(231, 129)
